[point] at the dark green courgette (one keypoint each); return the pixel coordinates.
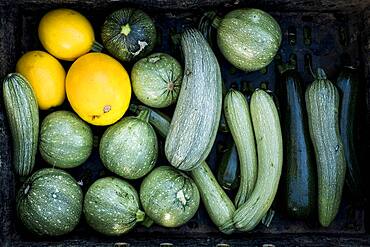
(300, 179)
(228, 168)
(348, 84)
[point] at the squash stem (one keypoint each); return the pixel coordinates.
(148, 222)
(125, 29)
(140, 216)
(97, 47)
(144, 115)
(320, 75)
(266, 220)
(216, 22)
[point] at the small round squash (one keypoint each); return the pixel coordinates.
(129, 34)
(111, 206)
(169, 197)
(156, 80)
(50, 202)
(98, 88)
(66, 34)
(249, 38)
(46, 76)
(65, 140)
(130, 147)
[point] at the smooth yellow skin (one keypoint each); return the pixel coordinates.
(46, 76)
(98, 88)
(66, 34)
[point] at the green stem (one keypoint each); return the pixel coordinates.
(266, 220)
(144, 115)
(140, 215)
(97, 47)
(148, 222)
(125, 29)
(216, 22)
(320, 75)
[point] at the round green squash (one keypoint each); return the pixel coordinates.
(248, 38)
(169, 197)
(50, 202)
(111, 206)
(129, 34)
(156, 80)
(129, 148)
(65, 140)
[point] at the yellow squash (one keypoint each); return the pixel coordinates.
(46, 76)
(98, 88)
(66, 34)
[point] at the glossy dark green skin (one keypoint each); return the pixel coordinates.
(300, 179)
(50, 202)
(169, 197)
(111, 206)
(138, 43)
(65, 140)
(129, 148)
(228, 168)
(348, 85)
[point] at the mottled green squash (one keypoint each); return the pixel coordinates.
(169, 197)
(129, 148)
(65, 140)
(196, 118)
(23, 116)
(50, 202)
(248, 38)
(111, 206)
(322, 103)
(129, 34)
(156, 80)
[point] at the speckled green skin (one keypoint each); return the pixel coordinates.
(156, 80)
(50, 202)
(111, 206)
(65, 140)
(136, 41)
(130, 147)
(197, 115)
(23, 118)
(249, 38)
(169, 197)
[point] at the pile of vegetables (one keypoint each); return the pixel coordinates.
(99, 91)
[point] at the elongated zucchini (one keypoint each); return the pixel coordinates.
(348, 85)
(228, 168)
(300, 179)
(269, 142)
(238, 119)
(197, 115)
(322, 102)
(218, 205)
(23, 116)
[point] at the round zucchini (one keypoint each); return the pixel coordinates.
(111, 206)
(130, 147)
(129, 34)
(65, 140)
(248, 38)
(169, 197)
(50, 202)
(156, 80)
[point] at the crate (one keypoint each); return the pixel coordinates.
(339, 34)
